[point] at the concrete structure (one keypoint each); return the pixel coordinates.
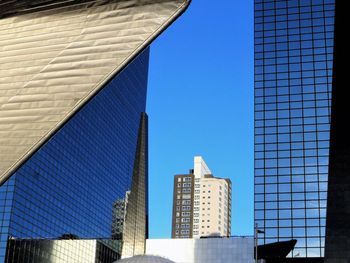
(200, 167)
(145, 259)
(201, 203)
(214, 207)
(203, 250)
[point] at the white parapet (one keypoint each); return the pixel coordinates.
(204, 250)
(200, 167)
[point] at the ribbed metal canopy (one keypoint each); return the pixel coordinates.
(56, 55)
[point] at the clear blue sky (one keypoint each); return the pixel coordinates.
(200, 102)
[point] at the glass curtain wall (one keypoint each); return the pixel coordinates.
(68, 189)
(293, 82)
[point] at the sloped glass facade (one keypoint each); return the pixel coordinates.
(293, 85)
(68, 188)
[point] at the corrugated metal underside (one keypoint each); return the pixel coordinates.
(55, 55)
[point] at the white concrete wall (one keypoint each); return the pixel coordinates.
(210, 210)
(205, 250)
(213, 207)
(200, 167)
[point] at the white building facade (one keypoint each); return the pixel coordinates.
(214, 207)
(203, 250)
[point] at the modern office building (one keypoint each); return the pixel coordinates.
(297, 121)
(201, 203)
(73, 143)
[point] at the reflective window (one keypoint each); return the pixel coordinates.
(293, 73)
(76, 187)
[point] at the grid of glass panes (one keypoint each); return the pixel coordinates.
(68, 188)
(293, 77)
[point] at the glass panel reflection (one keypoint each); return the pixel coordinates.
(293, 72)
(83, 196)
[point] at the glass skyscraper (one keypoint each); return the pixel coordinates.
(68, 188)
(73, 127)
(293, 92)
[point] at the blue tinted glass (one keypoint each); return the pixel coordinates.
(70, 185)
(294, 69)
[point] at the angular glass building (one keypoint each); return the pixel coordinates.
(294, 43)
(67, 189)
(73, 145)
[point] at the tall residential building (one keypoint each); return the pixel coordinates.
(73, 144)
(201, 203)
(301, 145)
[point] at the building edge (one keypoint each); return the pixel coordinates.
(337, 241)
(136, 218)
